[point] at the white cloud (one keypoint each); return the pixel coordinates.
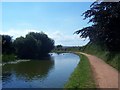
(59, 37)
(64, 39)
(17, 33)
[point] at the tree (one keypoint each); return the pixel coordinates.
(19, 44)
(59, 47)
(44, 43)
(34, 45)
(7, 44)
(105, 17)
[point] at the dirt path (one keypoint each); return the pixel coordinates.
(105, 75)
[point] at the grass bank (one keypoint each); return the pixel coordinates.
(82, 76)
(8, 57)
(108, 57)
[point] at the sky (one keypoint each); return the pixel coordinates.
(59, 20)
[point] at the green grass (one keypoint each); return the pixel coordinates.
(110, 58)
(82, 76)
(8, 57)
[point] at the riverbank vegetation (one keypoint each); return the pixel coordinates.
(104, 32)
(32, 46)
(82, 76)
(109, 57)
(60, 48)
(7, 49)
(8, 57)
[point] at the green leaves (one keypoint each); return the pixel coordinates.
(7, 47)
(34, 45)
(105, 17)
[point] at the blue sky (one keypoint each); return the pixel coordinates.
(59, 20)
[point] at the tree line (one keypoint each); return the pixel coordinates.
(104, 31)
(32, 46)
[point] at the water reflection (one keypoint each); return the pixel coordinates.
(6, 76)
(52, 72)
(30, 69)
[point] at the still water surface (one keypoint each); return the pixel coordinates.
(51, 73)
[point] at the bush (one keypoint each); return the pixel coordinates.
(33, 46)
(8, 57)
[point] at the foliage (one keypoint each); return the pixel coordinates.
(67, 48)
(7, 46)
(59, 46)
(34, 45)
(109, 57)
(82, 75)
(105, 17)
(8, 57)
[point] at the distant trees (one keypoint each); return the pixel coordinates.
(34, 45)
(59, 46)
(105, 17)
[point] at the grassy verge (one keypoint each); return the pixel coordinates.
(8, 57)
(110, 58)
(82, 76)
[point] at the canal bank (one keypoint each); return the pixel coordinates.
(82, 77)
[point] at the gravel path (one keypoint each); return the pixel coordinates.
(105, 75)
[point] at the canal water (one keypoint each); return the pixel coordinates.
(52, 72)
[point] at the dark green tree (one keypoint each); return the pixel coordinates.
(59, 47)
(19, 44)
(34, 45)
(7, 44)
(105, 17)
